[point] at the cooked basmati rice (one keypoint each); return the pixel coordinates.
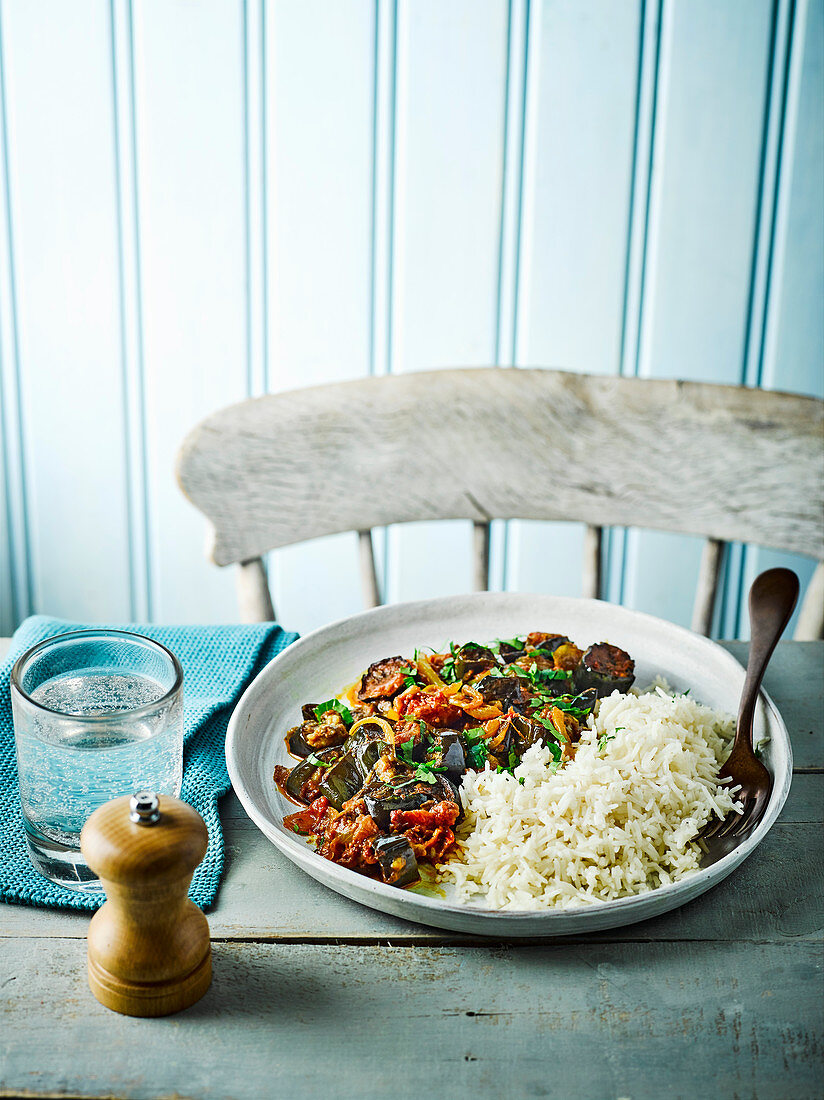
(615, 821)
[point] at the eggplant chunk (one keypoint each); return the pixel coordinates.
(341, 782)
(528, 730)
(472, 659)
(453, 757)
(383, 679)
(505, 690)
(606, 668)
(366, 748)
(449, 752)
(313, 735)
(548, 642)
(396, 860)
(383, 798)
(585, 702)
(296, 742)
(304, 779)
(509, 653)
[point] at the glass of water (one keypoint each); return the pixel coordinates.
(97, 714)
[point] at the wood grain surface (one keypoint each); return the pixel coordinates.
(719, 461)
(594, 1020)
(314, 995)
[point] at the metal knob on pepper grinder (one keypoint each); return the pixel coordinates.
(148, 946)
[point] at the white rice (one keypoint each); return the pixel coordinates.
(614, 822)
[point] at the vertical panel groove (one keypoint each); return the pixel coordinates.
(512, 181)
(632, 354)
(256, 210)
(131, 325)
(642, 165)
(138, 273)
(504, 187)
(527, 168)
(383, 185)
(14, 453)
(254, 134)
(764, 227)
(512, 178)
(796, 39)
(384, 121)
(264, 210)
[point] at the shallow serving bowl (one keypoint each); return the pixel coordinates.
(319, 665)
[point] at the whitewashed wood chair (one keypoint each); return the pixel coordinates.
(723, 462)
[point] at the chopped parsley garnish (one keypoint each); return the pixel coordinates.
(477, 733)
(547, 675)
(404, 749)
(426, 772)
(410, 677)
(553, 729)
(334, 704)
(576, 705)
(478, 752)
(556, 751)
(518, 671)
(602, 740)
(312, 759)
(448, 673)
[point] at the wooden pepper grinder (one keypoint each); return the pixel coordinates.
(149, 950)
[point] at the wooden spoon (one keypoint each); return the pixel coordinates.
(773, 596)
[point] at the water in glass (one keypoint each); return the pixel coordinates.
(69, 769)
(97, 714)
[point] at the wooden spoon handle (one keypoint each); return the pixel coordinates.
(773, 597)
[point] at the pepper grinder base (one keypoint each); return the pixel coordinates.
(149, 999)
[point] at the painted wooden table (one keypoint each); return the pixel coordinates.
(314, 996)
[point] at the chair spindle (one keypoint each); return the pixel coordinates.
(591, 564)
(709, 574)
(369, 573)
(254, 597)
(481, 557)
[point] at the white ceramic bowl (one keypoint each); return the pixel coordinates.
(320, 664)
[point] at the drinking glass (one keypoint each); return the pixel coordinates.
(97, 714)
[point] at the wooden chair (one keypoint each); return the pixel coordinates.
(724, 462)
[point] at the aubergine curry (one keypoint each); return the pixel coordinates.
(382, 765)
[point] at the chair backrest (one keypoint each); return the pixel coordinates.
(724, 462)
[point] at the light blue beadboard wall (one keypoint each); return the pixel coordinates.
(204, 202)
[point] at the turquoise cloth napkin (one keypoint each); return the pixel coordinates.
(218, 663)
